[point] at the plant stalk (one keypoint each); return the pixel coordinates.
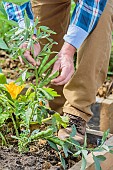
(14, 123)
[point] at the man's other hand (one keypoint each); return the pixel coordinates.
(64, 64)
(28, 53)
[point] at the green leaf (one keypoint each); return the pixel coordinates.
(110, 73)
(1, 109)
(77, 154)
(3, 117)
(65, 119)
(3, 45)
(18, 2)
(2, 10)
(9, 22)
(66, 150)
(39, 117)
(85, 141)
(97, 163)
(46, 94)
(21, 79)
(27, 21)
(84, 157)
(42, 134)
(53, 145)
(101, 158)
(62, 161)
(105, 135)
(0, 70)
(46, 29)
(28, 114)
(73, 141)
(83, 165)
(111, 151)
(105, 147)
(3, 139)
(60, 121)
(110, 147)
(2, 79)
(34, 131)
(24, 75)
(36, 22)
(85, 153)
(51, 91)
(54, 126)
(73, 133)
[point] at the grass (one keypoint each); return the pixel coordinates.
(72, 7)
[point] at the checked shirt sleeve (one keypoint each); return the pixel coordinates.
(16, 12)
(84, 19)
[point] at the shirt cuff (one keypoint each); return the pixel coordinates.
(22, 25)
(75, 36)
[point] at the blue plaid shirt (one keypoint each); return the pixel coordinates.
(84, 19)
(16, 12)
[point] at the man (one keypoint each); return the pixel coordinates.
(90, 32)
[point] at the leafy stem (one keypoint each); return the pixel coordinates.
(15, 126)
(36, 73)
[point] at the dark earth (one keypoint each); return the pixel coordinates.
(40, 157)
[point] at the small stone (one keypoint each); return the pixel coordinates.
(46, 165)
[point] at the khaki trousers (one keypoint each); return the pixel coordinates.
(92, 57)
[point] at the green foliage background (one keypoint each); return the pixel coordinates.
(3, 26)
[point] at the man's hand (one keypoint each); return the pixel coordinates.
(64, 64)
(28, 53)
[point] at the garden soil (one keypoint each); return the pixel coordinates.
(40, 157)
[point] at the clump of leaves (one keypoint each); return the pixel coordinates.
(29, 109)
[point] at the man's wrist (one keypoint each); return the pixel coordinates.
(67, 50)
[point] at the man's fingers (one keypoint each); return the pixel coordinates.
(56, 67)
(64, 77)
(63, 82)
(66, 64)
(24, 45)
(28, 56)
(37, 49)
(20, 58)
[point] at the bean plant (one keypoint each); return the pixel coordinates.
(24, 106)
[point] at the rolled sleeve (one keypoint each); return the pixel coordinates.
(84, 19)
(75, 36)
(22, 23)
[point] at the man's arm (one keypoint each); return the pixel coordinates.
(16, 12)
(84, 20)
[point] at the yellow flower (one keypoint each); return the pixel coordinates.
(14, 89)
(40, 103)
